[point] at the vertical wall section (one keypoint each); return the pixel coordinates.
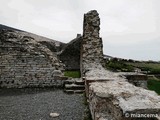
(91, 49)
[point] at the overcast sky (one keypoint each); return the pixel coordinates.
(129, 28)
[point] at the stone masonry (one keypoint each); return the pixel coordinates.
(70, 55)
(27, 63)
(110, 96)
(137, 79)
(91, 50)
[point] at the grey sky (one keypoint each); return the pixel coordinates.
(129, 28)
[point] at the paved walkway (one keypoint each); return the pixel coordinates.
(37, 104)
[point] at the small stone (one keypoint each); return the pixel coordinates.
(54, 114)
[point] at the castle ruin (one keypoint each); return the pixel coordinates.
(26, 63)
(111, 97)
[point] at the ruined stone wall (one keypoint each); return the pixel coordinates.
(110, 96)
(27, 63)
(70, 55)
(120, 100)
(137, 79)
(91, 49)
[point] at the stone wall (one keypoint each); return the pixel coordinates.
(137, 79)
(70, 55)
(110, 96)
(27, 63)
(91, 49)
(120, 100)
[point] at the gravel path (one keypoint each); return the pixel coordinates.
(37, 104)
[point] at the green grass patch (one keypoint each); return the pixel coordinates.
(73, 74)
(115, 65)
(145, 65)
(154, 85)
(153, 68)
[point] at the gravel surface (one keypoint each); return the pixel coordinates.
(37, 104)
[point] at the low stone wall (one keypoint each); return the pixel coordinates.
(137, 79)
(114, 98)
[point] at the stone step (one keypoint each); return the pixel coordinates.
(74, 91)
(79, 91)
(74, 87)
(69, 82)
(79, 82)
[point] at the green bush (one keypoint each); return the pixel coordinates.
(154, 85)
(73, 74)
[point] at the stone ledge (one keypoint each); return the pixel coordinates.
(121, 97)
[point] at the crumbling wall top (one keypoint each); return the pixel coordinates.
(91, 24)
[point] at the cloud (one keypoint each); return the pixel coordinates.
(7, 14)
(123, 22)
(139, 51)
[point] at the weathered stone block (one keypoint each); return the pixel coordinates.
(121, 100)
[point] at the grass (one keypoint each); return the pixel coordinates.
(115, 65)
(129, 66)
(73, 74)
(145, 64)
(154, 85)
(153, 68)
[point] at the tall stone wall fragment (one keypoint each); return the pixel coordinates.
(91, 49)
(110, 96)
